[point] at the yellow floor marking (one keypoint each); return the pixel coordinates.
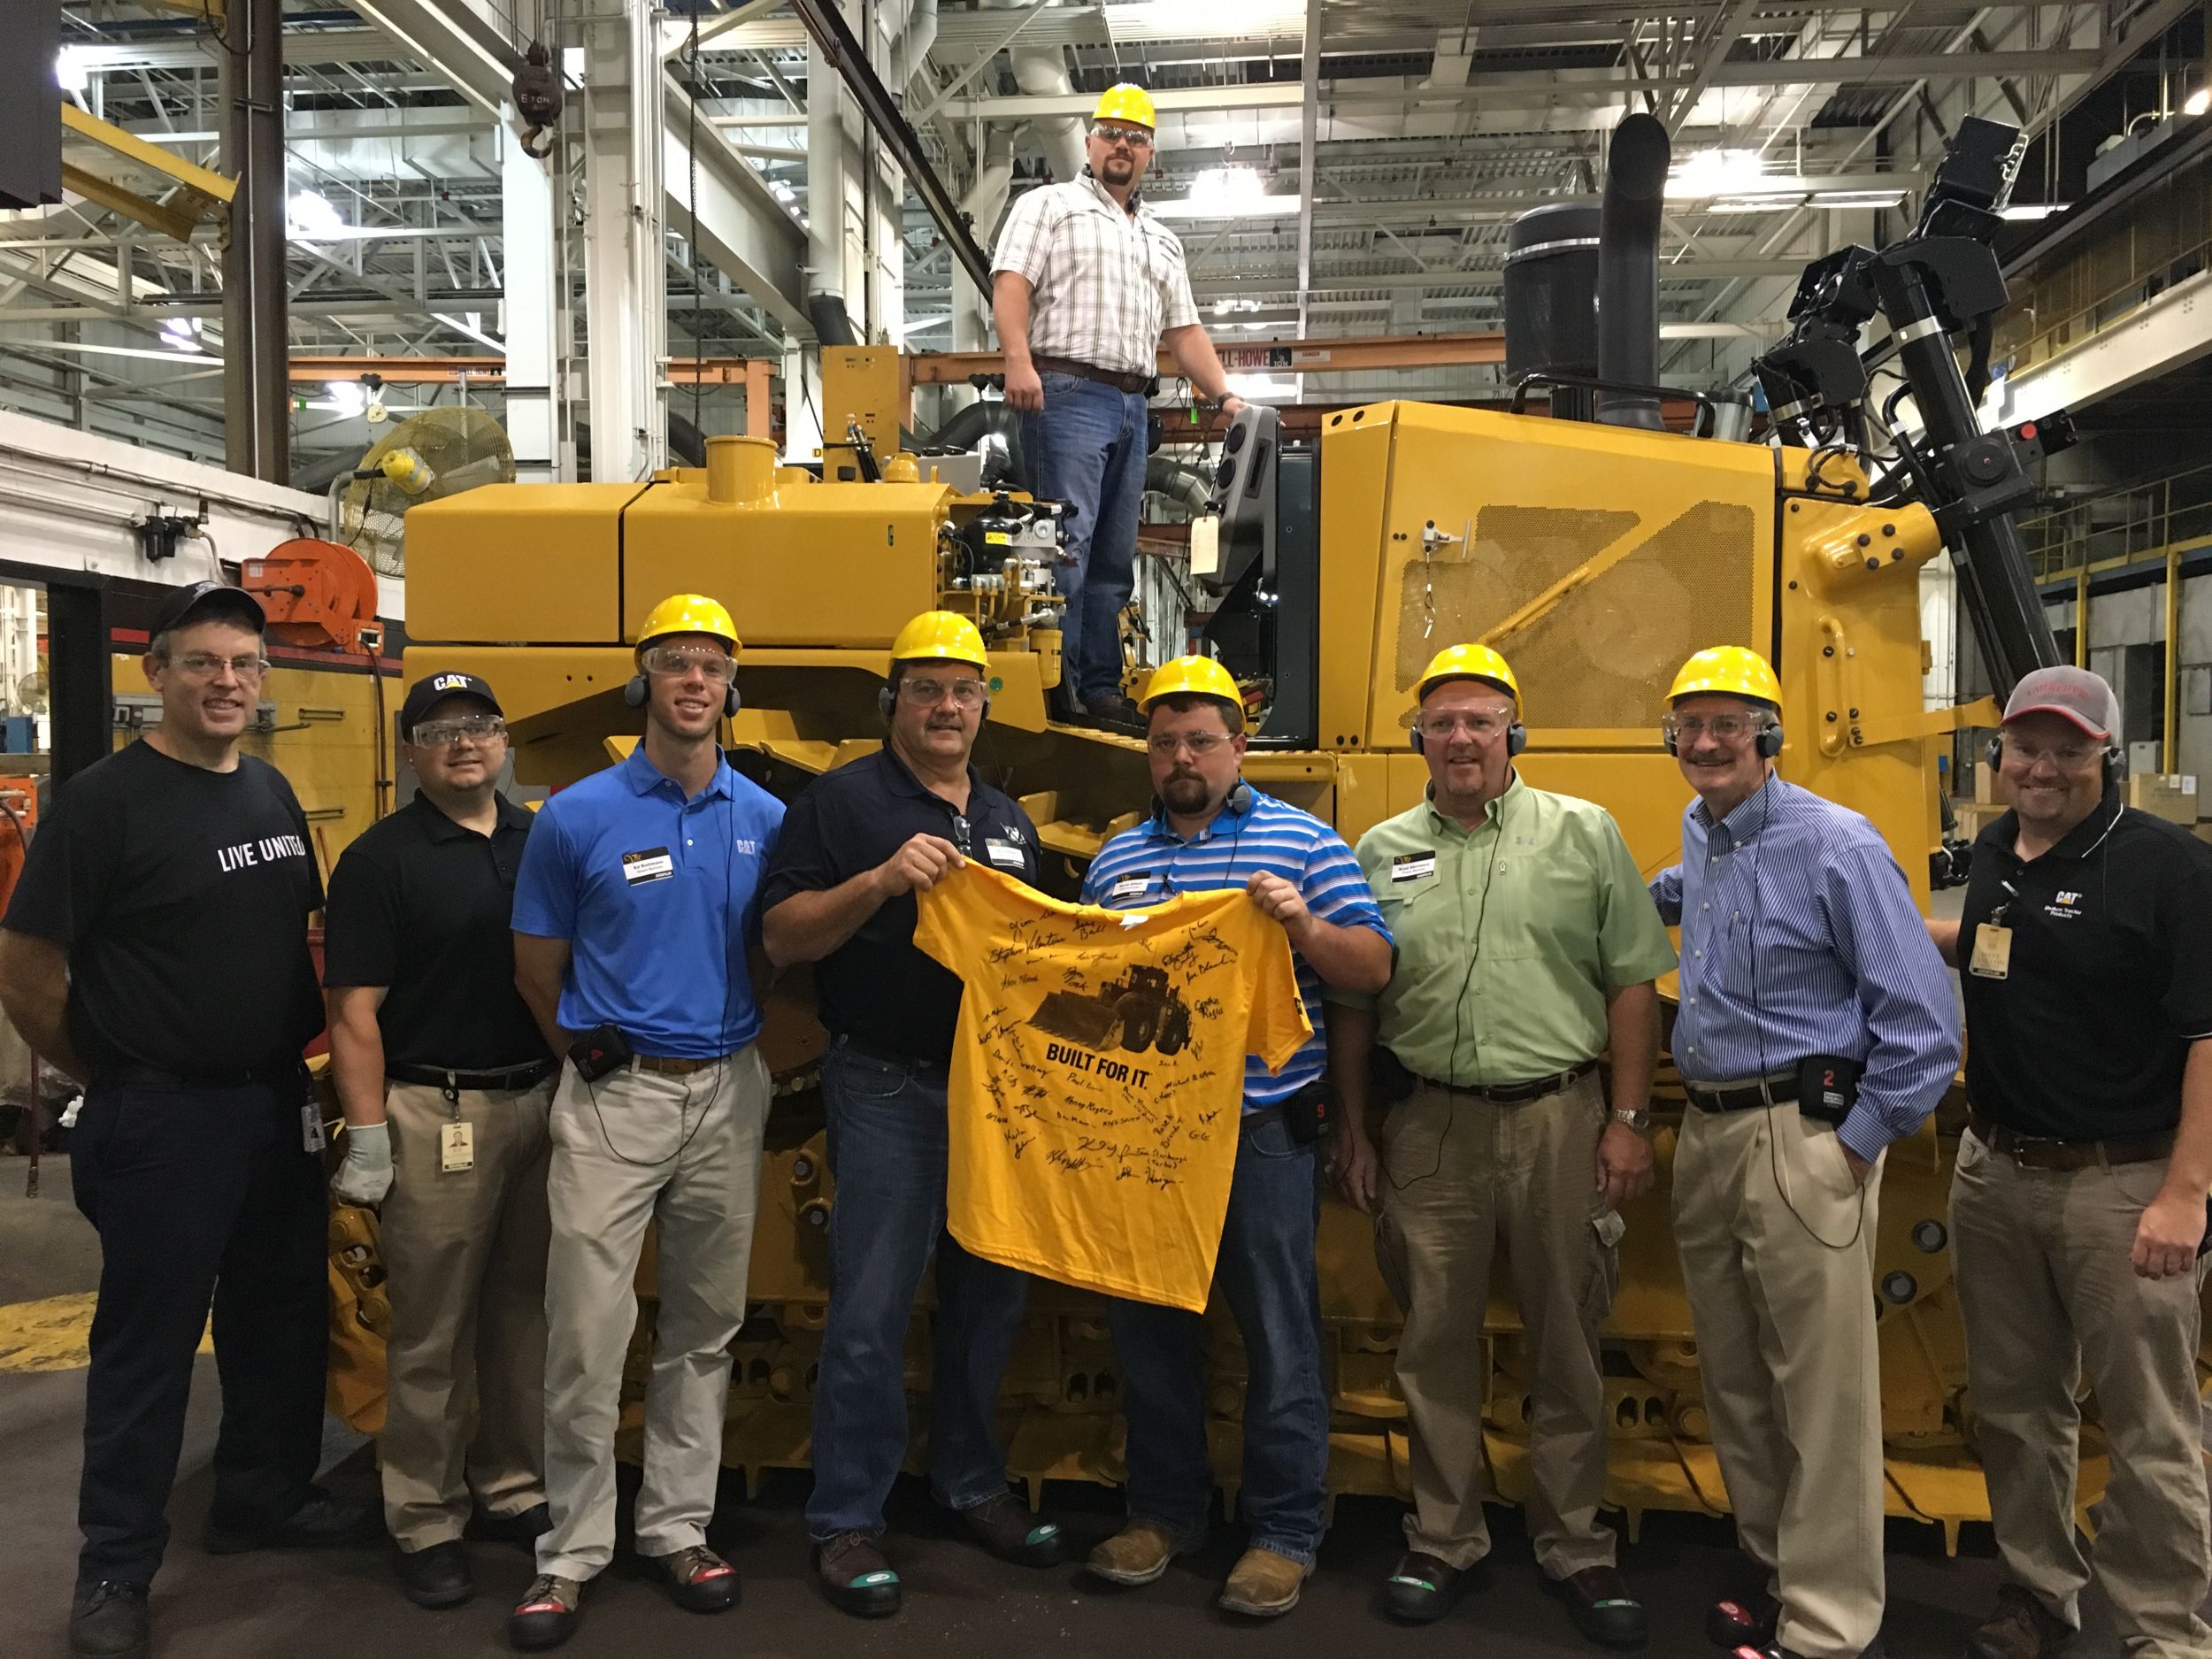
(51, 1334)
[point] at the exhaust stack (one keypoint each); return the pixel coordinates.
(1628, 271)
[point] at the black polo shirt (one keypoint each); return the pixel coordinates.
(2110, 978)
(182, 896)
(876, 988)
(424, 906)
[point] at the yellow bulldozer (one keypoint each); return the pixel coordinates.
(1596, 553)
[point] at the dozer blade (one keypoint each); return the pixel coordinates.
(1083, 1019)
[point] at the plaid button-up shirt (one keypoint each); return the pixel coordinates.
(1106, 282)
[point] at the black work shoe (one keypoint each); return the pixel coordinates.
(2021, 1628)
(523, 1528)
(321, 1523)
(1004, 1526)
(856, 1577)
(1422, 1589)
(1598, 1601)
(1745, 1621)
(547, 1615)
(699, 1580)
(108, 1621)
(1112, 712)
(436, 1577)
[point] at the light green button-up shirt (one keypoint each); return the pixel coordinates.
(1508, 936)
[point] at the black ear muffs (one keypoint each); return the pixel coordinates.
(634, 693)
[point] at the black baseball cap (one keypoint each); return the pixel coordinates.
(204, 600)
(434, 688)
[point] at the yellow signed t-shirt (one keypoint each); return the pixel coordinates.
(1098, 1073)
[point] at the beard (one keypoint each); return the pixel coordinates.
(1186, 792)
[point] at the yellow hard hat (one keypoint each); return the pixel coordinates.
(1126, 103)
(1728, 671)
(689, 613)
(1468, 661)
(1192, 676)
(940, 636)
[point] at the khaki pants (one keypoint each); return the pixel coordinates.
(2046, 1287)
(1461, 1177)
(682, 1152)
(466, 1252)
(1793, 1376)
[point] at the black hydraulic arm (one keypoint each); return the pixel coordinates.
(1939, 281)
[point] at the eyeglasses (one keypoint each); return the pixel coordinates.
(1726, 728)
(1135, 137)
(927, 694)
(207, 665)
(1479, 726)
(674, 663)
(477, 728)
(2066, 756)
(1201, 744)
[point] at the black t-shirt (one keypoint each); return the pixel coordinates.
(2109, 981)
(182, 896)
(876, 988)
(423, 906)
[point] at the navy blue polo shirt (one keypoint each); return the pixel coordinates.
(659, 899)
(876, 988)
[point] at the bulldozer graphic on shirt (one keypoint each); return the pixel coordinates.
(1139, 1010)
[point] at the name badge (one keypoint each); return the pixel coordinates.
(310, 1129)
(1132, 886)
(1007, 854)
(1992, 952)
(1413, 866)
(653, 864)
(456, 1146)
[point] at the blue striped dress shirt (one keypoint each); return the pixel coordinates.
(1840, 965)
(1150, 863)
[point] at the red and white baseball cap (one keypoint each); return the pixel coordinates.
(2073, 694)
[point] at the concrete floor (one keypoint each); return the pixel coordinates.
(277, 1606)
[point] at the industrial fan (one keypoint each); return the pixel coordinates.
(427, 457)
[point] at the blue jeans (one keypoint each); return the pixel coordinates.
(1266, 1270)
(1088, 449)
(887, 1151)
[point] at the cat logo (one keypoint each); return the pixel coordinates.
(2065, 905)
(450, 682)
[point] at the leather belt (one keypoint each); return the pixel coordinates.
(1114, 378)
(671, 1065)
(1779, 1090)
(1517, 1094)
(2044, 1152)
(456, 1077)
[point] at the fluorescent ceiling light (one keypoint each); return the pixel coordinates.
(2029, 212)
(1757, 205)
(1222, 19)
(1858, 198)
(311, 217)
(1710, 172)
(1259, 389)
(2198, 102)
(74, 72)
(348, 397)
(1219, 187)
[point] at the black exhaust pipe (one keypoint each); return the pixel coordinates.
(1628, 271)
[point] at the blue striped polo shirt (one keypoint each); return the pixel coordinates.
(1150, 863)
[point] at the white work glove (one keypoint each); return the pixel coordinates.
(367, 1174)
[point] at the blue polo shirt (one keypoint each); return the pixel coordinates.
(659, 899)
(1150, 863)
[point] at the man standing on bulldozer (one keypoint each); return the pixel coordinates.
(1526, 948)
(1087, 284)
(1209, 829)
(857, 846)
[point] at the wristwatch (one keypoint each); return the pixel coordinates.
(1640, 1120)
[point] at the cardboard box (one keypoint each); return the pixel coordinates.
(2171, 795)
(1985, 781)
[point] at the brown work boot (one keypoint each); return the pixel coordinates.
(1140, 1553)
(1265, 1584)
(2021, 1628)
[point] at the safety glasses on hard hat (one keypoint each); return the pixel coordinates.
(676, 661)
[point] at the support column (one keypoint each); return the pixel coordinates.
(532, 303)
(256, 385)
(626, 283)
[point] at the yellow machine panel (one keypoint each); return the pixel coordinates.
(518, 561)
(871, 386)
